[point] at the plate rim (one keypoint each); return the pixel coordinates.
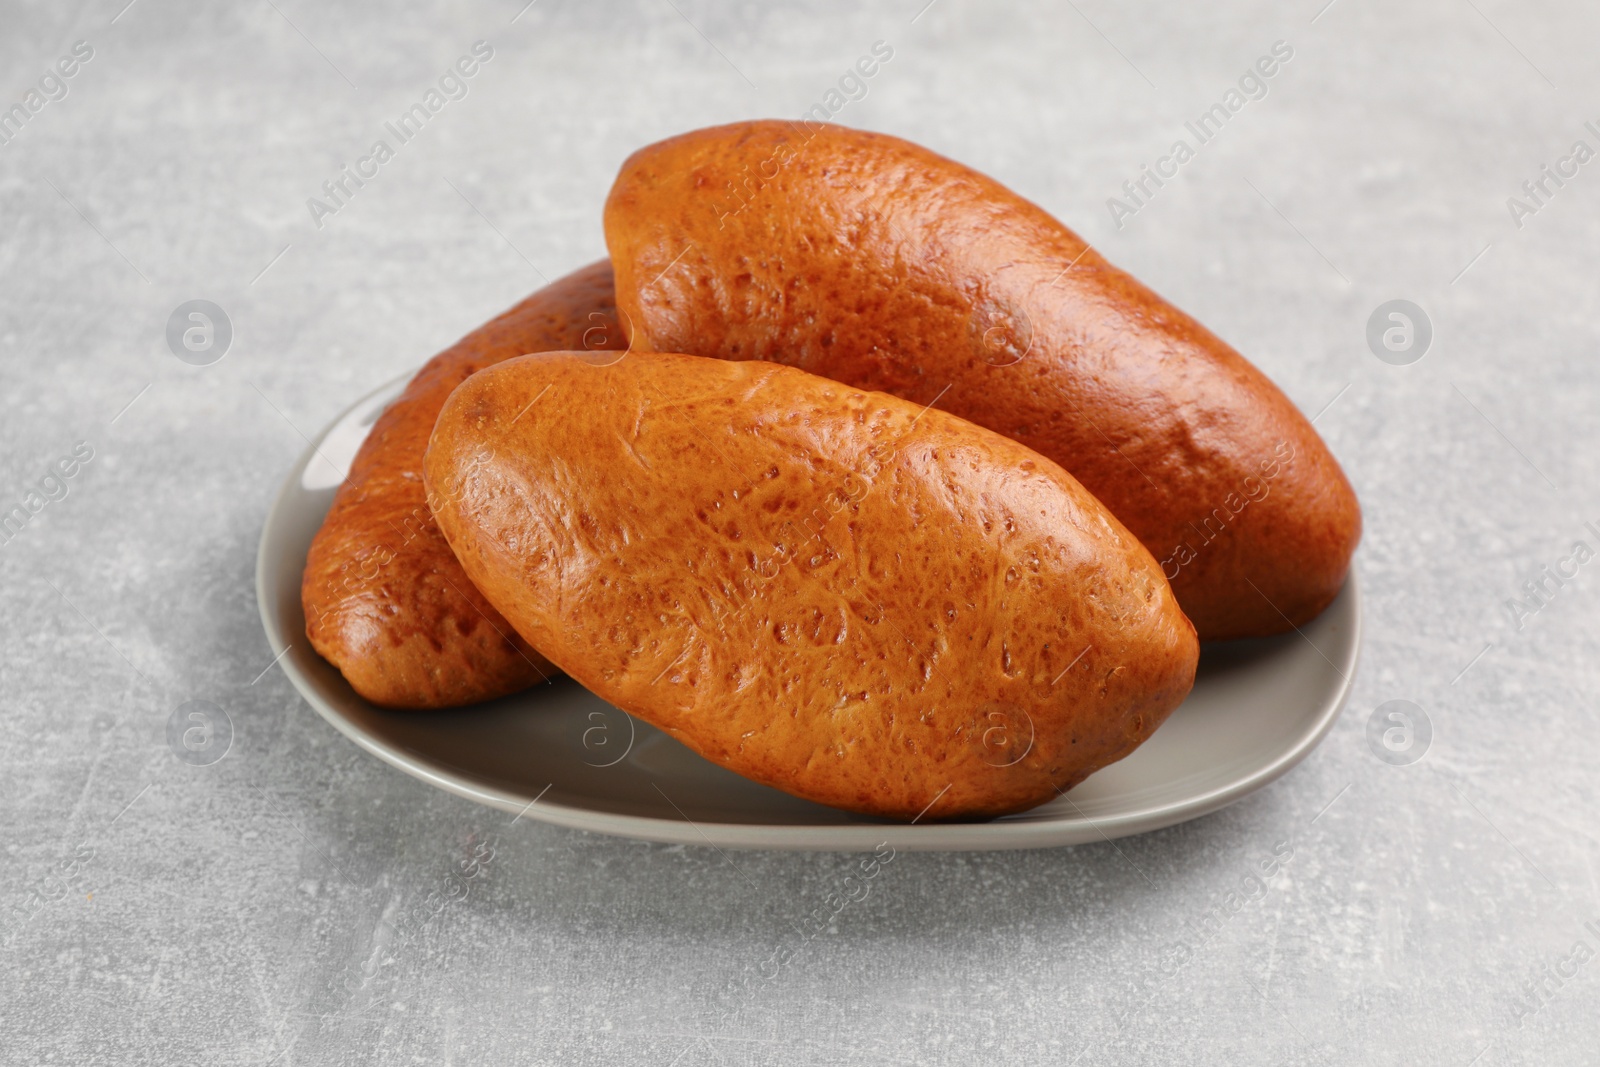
(932, 837)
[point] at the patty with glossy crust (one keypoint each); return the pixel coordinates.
(878, 263)
(831, 591)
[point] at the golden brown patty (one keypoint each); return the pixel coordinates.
(877, 263)
(827, 590)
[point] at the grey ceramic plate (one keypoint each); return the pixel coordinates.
(562, 755)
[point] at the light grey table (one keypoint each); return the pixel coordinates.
(296, 901)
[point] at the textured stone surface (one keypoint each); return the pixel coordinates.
(266, 908)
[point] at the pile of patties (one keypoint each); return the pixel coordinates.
(861, 476)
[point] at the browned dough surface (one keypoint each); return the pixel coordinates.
(870, 260)
(827, 590)
(385, 600)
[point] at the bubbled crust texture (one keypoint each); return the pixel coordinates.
(826, 590)
(880, 264)
(385, 600)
